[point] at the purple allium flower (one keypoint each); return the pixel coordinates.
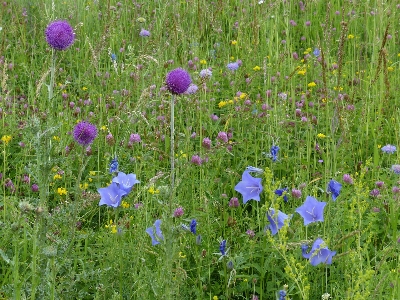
(319, 253)
(125, 182)
(283, 192)
(334, 187)
(375, 193)
(222, 136)
(178, 81)
(389, 149)
(206, 143)
(178, 212)
(114, 165)
(35, 188)
(196, 160)
(193, 225)
(144, 33)
(155, 233)
(135, 138)
(222, 247)
(234, 202)
(296, 193)
(85, 133)
(347, 178)
(396, 169)
(249, 187)
(206, 73)
(111, 195)
(276, 220)
(192, 89)
(59, 35)
(312, 210)
(233, 66)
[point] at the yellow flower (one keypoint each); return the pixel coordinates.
(398, 54)
(234, 42)
(338, 88)
(221, 104)
(57, 176)
(230, 101)
(6, 139)
(84, 88)
(125, 204)
(92, 173)
(232, 57)
(84, 186)
(379, 146)
(390, 69)
(153, 191)
(181, 255)
(56, 138)
(103, 128)
(243, 96)
(203, 62)
(350, 36)
(301, 72)
(62, 191)
(321, 135)
(114, 229)
(90, 179)
(311, 84)
(256, 68)
(215, 298)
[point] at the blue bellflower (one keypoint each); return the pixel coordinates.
(114, 165)
(334, 188)
(249, 187)
(111, 195)
(318, 254)
(312, 210)
(274, 152)
(276, 220)
(193, 225)
(222, 248)
(283, 192)
(254, 169)
(126, 182)
(155, 233)
(316, 52)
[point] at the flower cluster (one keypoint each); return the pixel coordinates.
(59, 35)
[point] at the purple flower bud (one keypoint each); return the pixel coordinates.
(222, 136)
(234, 202)
(347, 179)
(206, 143)
(296, 193)
(178, 212)
(85, 133)
(35, 188)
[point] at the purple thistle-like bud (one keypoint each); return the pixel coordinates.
(178, 81)
(206, 143)
(347, 179)
(296, 193)
(178, 212)
(196, 160)
(84, 133)
(222, 136)
(35, 187)
(135, 138)
(234, 202)
(59, 35)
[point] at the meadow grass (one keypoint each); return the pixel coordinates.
(319, 79)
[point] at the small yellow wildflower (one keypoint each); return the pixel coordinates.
(90, 179)
(57, 176)
(215, 298)
(84, 88)
(256, 68)
(234, 42)
(181, 255)
(153, 191)
(125, 204)
(56, 138)
(92, 173)
(230, 101)
(321, 135)
(245, 280)
(62, 191)
(203, 62)
(398, 54)
(338, 88)
(84, 186)
(114, 229)
(103, 128)
(6, 139)
(221, 104)
(232, 57)
(350, 36)
(301, 72)
(311, 84)
(390, 69)
(243, 96)
(379, 146)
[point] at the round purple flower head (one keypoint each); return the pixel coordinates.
(178, 81)
(59, 35)
(85, 133)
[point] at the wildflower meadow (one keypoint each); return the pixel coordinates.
(199, 149)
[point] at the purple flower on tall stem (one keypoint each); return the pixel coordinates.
(312, 210)
(111, 195)
(59, 35)
(389, 149)
(178, 81)
(125, 182)
(396, 169)
(319, 253)
(222, 247)
(84, 133)
(282, 192)
(144, 33)
(334, 188)
(155, 233)
(249, 187)
(276, 220)
(233, 66)
(193, 225)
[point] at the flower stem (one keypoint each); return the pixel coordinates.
(172, 153)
